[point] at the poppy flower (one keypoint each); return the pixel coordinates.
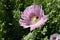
(55, 37)
(33, 17)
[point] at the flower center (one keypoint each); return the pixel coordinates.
(34, 19)
(54, 38)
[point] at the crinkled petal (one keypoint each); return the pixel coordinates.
(30, 11)
(24, 23)
(25, 15)
(58, 37)
(41, 12)
(38, 24)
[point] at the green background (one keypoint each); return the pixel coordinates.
(10, 11)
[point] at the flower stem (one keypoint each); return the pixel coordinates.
(31, 35)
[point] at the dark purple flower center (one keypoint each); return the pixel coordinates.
(54, 38)
(37, 17)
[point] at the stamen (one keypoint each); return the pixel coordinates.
(37, 17)
(34, 19)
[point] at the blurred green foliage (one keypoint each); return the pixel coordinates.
(10, 11)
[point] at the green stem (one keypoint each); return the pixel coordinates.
(31, 35)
